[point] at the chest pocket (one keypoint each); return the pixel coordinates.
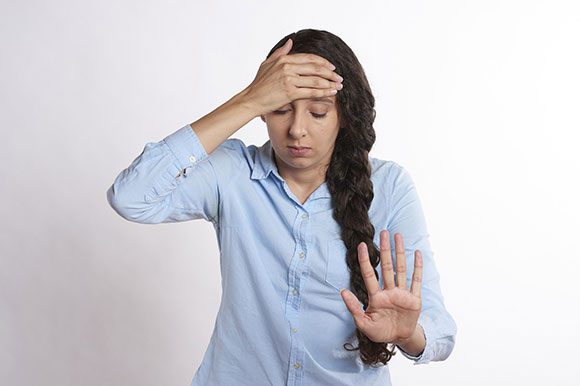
(337, 272)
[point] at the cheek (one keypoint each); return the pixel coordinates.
(274, 129)
(329, 132)
(277, 135)
(277, 138)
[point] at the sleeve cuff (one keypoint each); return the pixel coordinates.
(186, 147)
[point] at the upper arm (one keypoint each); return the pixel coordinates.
(174, 180)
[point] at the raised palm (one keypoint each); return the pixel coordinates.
(392, 312)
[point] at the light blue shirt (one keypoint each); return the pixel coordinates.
(281, 320)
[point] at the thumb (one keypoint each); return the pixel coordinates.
(353, 304)
(283, 50)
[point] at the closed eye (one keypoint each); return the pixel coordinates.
(315, 115)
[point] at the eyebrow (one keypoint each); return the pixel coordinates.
(323, 100)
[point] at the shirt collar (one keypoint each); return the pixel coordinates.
(264, 165)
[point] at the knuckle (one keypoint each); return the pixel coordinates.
(286, 67)
(312, 57)
(368, 274)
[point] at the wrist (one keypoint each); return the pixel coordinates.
(245, 103)
(414, 344)
(409, 338)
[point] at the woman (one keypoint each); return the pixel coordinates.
(297, 220)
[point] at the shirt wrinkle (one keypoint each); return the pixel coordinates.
(281, 320)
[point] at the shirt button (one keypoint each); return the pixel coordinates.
(294, 291)
(304, 215)
(301, 255)
(294, 330)
(297, 365)
(191, 159)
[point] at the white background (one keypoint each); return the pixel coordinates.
(479, 100)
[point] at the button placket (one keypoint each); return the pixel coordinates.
(302, 255)
(298, 273)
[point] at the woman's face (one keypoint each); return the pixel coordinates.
(302, 134)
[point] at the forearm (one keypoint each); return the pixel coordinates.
(214, 128)
(415, 344)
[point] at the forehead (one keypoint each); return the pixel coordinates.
(326, 100)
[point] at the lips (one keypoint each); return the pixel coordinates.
(298, 151)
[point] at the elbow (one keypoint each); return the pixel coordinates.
(447, 344)
(127, 207)
(118, 204)
(447, 348)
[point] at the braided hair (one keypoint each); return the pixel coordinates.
(348, 176)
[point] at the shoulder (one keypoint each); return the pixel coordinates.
(233, 151)
(389, 177)
(383, 171)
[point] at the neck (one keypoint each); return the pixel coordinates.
(305, 179)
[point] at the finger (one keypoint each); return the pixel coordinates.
(310, 93)
(314, 69)
(354, 307)
(401, 263)
(306, 58)
(417, 274)
(367, 270)
(280, 51)
(316, 82)
(387, 261)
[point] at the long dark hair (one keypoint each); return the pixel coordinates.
(348, 176)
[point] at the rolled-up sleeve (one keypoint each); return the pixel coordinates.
(172, 180)
(407, 218)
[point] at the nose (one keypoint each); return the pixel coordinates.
(298, 124)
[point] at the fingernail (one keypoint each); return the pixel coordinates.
(332, 67)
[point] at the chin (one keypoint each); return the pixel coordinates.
(299, 163)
